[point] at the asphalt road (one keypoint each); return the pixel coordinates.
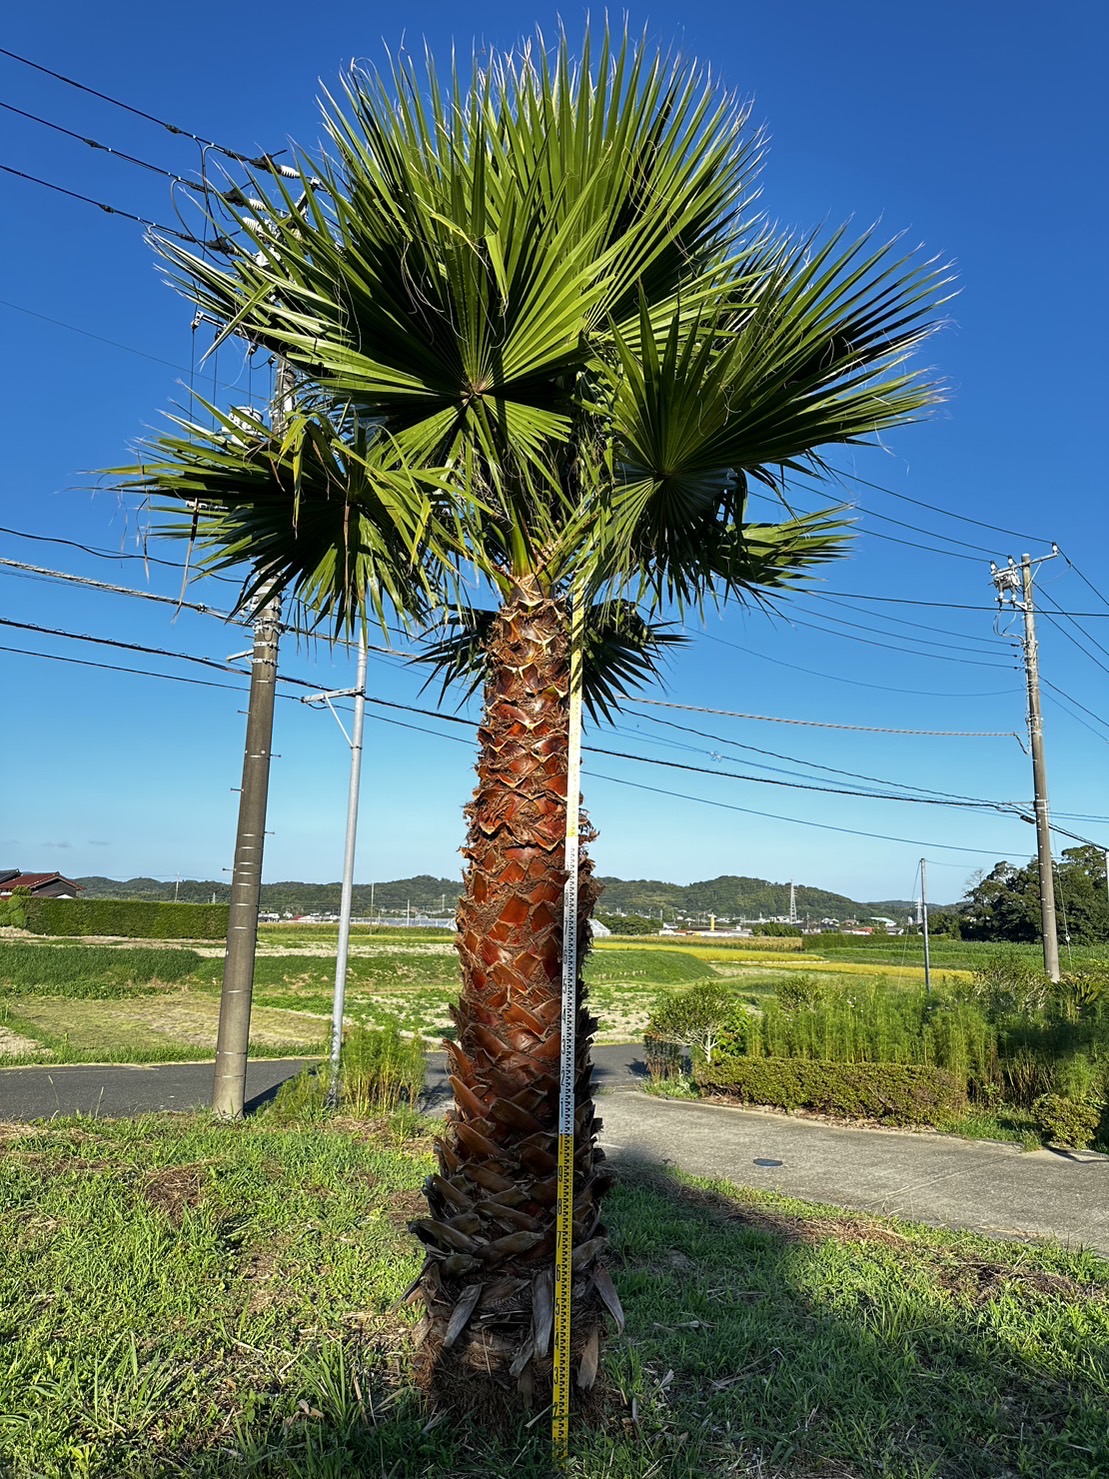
(983, 1187)
(112, 1089)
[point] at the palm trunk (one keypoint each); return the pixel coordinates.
(488, 1280)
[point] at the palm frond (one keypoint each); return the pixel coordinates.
(622, 651)
(325, 511)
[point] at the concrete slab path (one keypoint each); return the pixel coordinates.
(981, 1186)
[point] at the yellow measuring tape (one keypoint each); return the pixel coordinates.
(564, 1204)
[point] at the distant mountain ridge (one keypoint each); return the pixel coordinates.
(730, 895)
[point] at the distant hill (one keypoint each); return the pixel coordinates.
(733, 895)
(729, 895)
(424, 893)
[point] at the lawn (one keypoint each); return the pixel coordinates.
(183, 1298)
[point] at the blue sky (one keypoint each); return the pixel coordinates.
(974, 129)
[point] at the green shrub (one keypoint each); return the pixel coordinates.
(381, 1069)
(697, 1018)
(895, 1093)
(1071, 1123)
(13, 909)
(664, 1059)
(797, 990)
(127, 919)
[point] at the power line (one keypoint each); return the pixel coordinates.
(107, 554)
(1070, 698)
(799, 821)
(1058, 611)
(114, 343)
(730, 775)
(1085, 581)
(936, 605)
(901, 621)
(974, 662)
(893, 538)
(170, 677)
(843, 678)
(814, 764)
(824, 724)
(934, 508)
(118, 590)
(217, 244)
(871, 513)
(172, 128)
(42, 573)
(106, 148)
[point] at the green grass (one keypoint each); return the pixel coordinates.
(957, 954)
(97, 971)
(81, 1002)
(183, 1298)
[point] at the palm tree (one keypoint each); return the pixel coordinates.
(537, 312)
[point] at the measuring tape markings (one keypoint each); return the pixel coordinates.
(564, 1203)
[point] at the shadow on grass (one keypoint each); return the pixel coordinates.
(764, 1337)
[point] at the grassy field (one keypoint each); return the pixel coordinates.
(83, 1002)
(181, 1298)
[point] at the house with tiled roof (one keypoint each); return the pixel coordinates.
(39, 885)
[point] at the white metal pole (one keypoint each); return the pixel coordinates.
(343, 949)
(924, 919)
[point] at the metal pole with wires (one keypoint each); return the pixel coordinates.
(354, 740)
(924, 924)
(1015, 583)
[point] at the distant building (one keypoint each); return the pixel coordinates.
(40, 885)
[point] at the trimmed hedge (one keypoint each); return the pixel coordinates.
(126, 919)
(896, 1093)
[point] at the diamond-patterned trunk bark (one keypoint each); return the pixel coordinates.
(488, 1280)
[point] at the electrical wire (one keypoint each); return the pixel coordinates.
(901, 621)
(105, 148)
(615, 780)
(114, 343)
(219, 244)
(798, 821)
(138, 112)
(813, 764)
(933, 508)
(1059, 612)
(938, 605)
(1070, 698)
(1085, 581)
(843, 678)
(824, 724)
(39, 572)
(974, 662)
(106, 554)
(1005, 808)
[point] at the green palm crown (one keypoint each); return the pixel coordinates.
(538, 332)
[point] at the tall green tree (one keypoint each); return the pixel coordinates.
(545, 344)
(1005, 904)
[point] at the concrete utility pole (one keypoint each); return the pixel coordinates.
(792, 904)
(1009, 581)
(924, 921)
(229, 1091)
(354, 739)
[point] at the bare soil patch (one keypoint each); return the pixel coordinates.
(12, 1044)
